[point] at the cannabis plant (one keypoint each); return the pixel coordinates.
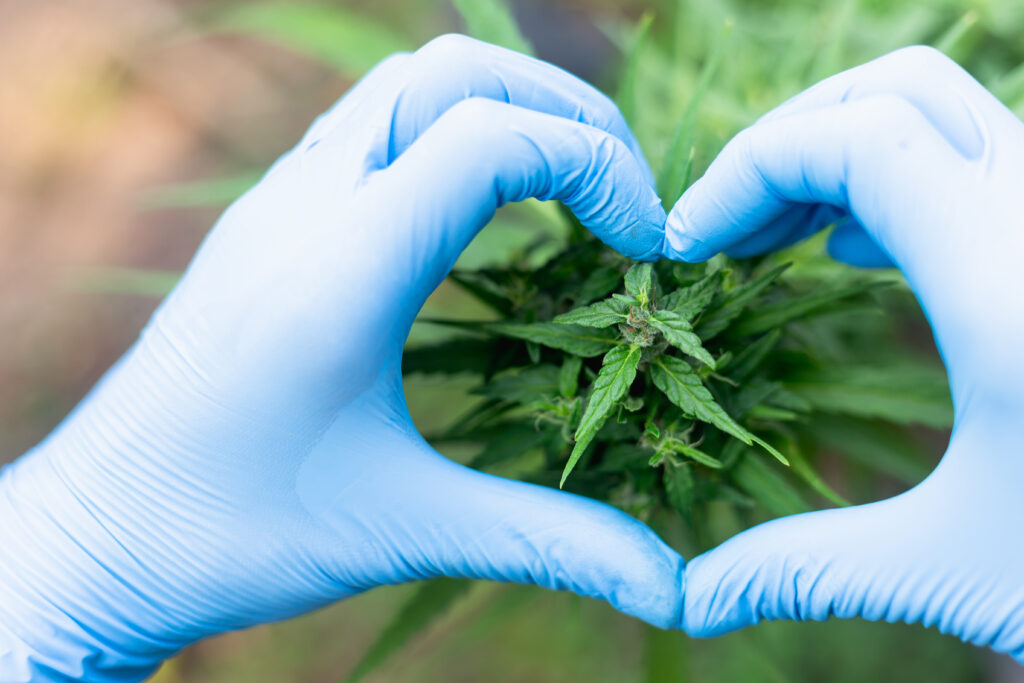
(648, 385)
(660, 386)
(669, 388)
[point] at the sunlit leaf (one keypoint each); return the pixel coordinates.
(625, 96)
(492, 21)
(351, 42)
(213, 192)
(956, 41)
(114, 280)
(670, 180)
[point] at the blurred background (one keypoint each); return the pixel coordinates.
(127, 125)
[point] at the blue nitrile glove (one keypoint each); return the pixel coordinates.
(251, 457)
(928, 169)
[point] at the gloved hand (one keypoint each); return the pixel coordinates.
(251, 457)
(927, 168)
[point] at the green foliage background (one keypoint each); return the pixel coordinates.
(735, 60)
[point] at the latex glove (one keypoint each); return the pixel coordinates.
(252, 458)
(928, 166)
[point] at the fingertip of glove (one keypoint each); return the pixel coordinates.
(667, 610)
(644, 578)
(850, 244)
(680, 616)
(664, 607)
(645, 239)
(710, 605)
(680, 246)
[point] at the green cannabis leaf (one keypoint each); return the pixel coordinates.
(733, 303)
(675, 175)
(775, 314)
(677, 380)
(346, 40)
(618, 370)
(492, 21)
(639, 284)
(575, 339)
(524, 385)
(602, 314)
(679, 334)
(904, 392)
(680, 487)
(687, 302)
(699, 456)
(569, 376)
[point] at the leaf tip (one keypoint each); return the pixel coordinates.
(772, 450)
(565, 473)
